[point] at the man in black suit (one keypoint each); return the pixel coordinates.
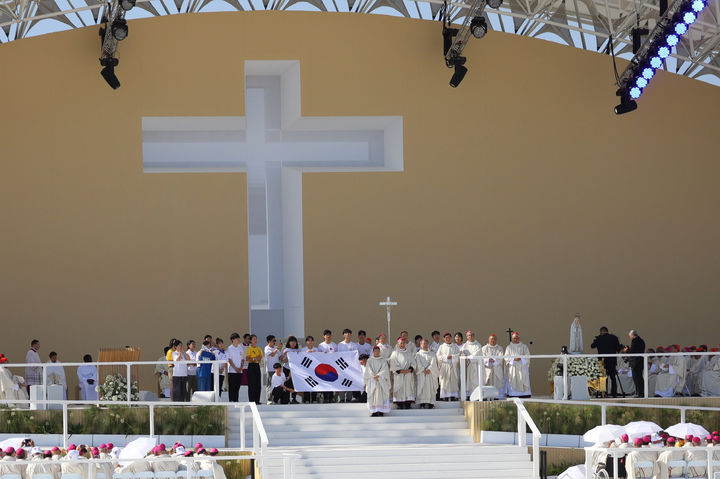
(637, 345)
(607, 343)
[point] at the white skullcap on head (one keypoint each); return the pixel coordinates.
(115, 452)
(74, 454)
(35, 451)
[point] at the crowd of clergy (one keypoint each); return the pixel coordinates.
(658, 456)
(104, 460)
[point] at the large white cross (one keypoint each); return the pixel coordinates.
(274, 144)
(388, 304)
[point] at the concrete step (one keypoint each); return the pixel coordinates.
(364, 420)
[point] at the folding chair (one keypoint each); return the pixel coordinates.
(645, 469)
(695, 469)
(677, 469)
(165, 475)
(144, 475)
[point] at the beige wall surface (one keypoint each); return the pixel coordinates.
(524, 198)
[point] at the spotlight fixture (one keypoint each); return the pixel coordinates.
(120, 29)
(494, 3)
(455, 39)
(127, 4)
(671, 26)
(478, 27)
(108, 73)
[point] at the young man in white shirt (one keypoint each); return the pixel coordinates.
(327, 346)
(363, 346)
(279, 391)
(347, 345)
(309, 348)
(272, 356)
(180, 372)
(236, 358)
(192, 369)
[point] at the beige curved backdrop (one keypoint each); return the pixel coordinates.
(524, 198)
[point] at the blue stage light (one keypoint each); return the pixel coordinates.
(689, 18)
(680, 28)
(698, 5)
(641, 82)
(672, 40)
(663, 52)
(655, 62)
(648, 73)
(635, 93)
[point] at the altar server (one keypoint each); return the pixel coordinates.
(87, 380)
(493, 368)
(55, 374)
(447, 358)
(426, 374)
(402, 365)
(377, 384)
(517, 369)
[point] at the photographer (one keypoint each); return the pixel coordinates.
(607, 343)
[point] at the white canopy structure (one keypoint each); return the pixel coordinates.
(585, 24)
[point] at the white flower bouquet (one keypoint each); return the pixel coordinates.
(590, 367)
(115, 389)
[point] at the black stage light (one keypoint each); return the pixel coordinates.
(478, 27)
(119, 29)
(637, 34)
(127, 4)
(108, 73)
(460, 71)
(626, 105)
(494, 3)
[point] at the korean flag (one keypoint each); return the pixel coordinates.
(324, 372)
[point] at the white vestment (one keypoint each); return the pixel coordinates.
(634, 463)
(385, 351)
(158, 466)
(56, 375)
(695, 373)
(576, 339)
(426, 384)
(163, 372)
(378, 390)
(87, 390)
(517, 372)
(472, 372)
(42, 466)
(667, 377)
(698, 469)
(665, 469)
(74, 468)
(8, 466)
(449, 370)
(711, 378)
(493, 372)
(10, 386)
(403, 384)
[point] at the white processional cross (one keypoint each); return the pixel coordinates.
(388, 304)
(274, 145)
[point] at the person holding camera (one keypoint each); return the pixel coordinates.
(607, 343)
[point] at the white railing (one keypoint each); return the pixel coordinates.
(128, 368)
(523, 420)
(565, 358)
(712, 465)
(260, 439)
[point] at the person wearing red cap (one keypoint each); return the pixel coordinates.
(447, 357)
(40, 465)
(7, 463)
(162, 452)
(667, 464)
(641, 461)
(517, 370)
(494, 370)
(101, 467)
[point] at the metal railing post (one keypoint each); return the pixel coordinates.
(44, 384)
(522, 428)
(682, 414)
(565, 377)
(152, 420)
(129, 384)
(242, 428)
(646, 375)
(603, 414)
(216, 382)
(536, 457)
(463, 382)
(65, 425)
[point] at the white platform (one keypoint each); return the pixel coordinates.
(342, 440)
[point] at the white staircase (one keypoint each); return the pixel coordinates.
(342, 440)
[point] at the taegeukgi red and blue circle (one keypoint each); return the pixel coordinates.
(326, 372)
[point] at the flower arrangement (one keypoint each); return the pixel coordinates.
(577, 366)
(115, 389)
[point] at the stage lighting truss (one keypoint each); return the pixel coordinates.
(670, 27)
(114, 29)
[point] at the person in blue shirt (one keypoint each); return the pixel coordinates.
(204, 371)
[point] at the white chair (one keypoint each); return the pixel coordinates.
(42, 476)
(645, 469)
(204, 473)
(165, 475)
(144, 475)
(123, 475)
(695, 469)
(11, 476)
(676, 468)
(71, 475)
(98, 475)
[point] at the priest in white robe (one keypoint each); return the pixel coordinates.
(55, 374)
(448, 355)
(168, 465)
(667, 377)
(12, 387)
(641, 462)
(377, 383)
(385, 349)
(41, 466)
(668, 463)
(696, 368)
(426, 374)
(87, 380)
(8, 464)
(402, 367)
(67, 467)
(494, 367)
(517, 370)
(472, 372)
(711, 378)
